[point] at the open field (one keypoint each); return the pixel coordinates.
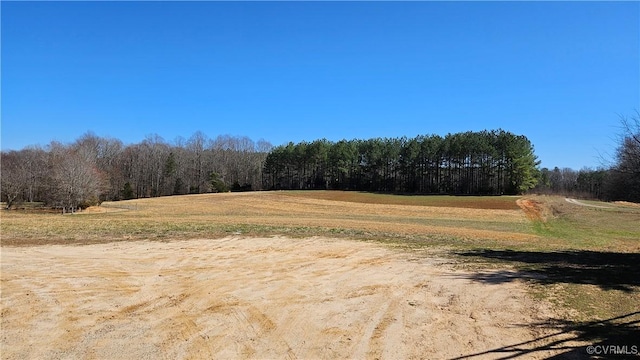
(275, 213)
(278, 274)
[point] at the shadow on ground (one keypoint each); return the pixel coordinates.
(607, 270)
(618, 337)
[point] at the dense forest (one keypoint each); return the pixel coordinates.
(94, 169)
(485, 163)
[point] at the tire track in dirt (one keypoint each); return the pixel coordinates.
(382, 336)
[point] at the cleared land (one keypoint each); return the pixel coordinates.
(438, 277)
(252, 298)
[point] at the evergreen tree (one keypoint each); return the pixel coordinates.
(127, 191)
(494, 162)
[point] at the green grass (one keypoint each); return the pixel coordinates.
(581, 227)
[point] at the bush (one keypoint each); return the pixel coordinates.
(236, 187)
(92, 201)
(217, 184)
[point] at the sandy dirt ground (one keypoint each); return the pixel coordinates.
(268, 298)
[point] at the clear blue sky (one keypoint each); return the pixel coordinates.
(557, 72)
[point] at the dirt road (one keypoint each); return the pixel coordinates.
(580, 203)
(252, 298)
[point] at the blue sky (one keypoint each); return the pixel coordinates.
(557, 72)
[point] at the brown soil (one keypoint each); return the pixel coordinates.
(532, 209)
(255, 298)
(468, 202)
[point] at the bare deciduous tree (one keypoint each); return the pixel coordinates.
(94, 168)
(75, 180)
(14, 177)
(625, 175)
(629, 150)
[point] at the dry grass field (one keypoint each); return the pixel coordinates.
(277, 213)
(320, 274)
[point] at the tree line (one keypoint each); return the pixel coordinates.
(486, 162)
(94, 169)
(583, 183)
